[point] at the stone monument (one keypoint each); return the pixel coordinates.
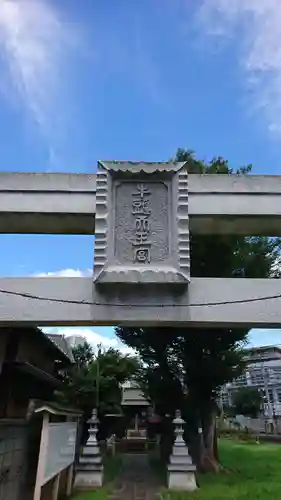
(89, 472)
(181, 471)
(141, 225)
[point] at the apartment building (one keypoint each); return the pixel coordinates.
(263, 372)
(76, 340)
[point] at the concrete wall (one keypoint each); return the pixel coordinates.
(13, 456)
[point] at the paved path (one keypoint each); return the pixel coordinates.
(136, 480)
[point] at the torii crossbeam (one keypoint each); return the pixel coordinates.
(141, 214)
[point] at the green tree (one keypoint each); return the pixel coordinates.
(247, 401)
(96, 378)
(83, 354)
(186, 367)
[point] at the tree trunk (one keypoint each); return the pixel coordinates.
(209, 457)
(166, 441)
(196, 447)
(216, 448)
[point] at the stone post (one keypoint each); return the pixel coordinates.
(89, 472)
(181, 471)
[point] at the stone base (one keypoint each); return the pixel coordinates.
(180, 449)
(140, 275)
(181, 459)
(88, 479)
(91, 461)
(92, 450)
(182, 481)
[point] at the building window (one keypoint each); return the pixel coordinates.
(275, 374)
(225, 398)
(240, 381)
(256, 377)
(270, 395)
(278, 392)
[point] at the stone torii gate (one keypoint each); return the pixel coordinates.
(141, 214)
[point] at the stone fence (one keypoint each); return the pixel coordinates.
(255, 425)
(13, 459)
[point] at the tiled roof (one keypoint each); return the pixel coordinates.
(61, 342)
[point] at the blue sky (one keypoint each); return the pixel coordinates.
(82, 81)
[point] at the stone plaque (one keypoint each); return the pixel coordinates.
(142, 227)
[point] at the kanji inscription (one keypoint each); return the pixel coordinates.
(142, 231)
(141, 223)
(142, 211)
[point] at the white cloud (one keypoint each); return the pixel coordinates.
(262, 337)
(94, 338)
(255, 25)
(66, 273)
(257, 337)
(35, 47)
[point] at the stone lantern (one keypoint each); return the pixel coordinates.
(181, 470)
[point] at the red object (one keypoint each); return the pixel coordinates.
(155, 419)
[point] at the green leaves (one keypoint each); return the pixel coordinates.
(187, 366)
(247, 401)
(96, 378)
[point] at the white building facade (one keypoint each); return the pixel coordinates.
(76, 340)
(263, 372)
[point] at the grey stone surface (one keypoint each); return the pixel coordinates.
(136, 480)
(85, 305)
(181, 471)
(126, 216)
(142, 225)
(89, 471)
(13, 460)
(182, 481)
(58, 203)
(64, 203)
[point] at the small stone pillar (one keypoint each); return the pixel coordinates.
(181, 471)
(89, 472)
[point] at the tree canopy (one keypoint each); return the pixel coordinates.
(247, 401)
(96, 378)
(186, 367)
